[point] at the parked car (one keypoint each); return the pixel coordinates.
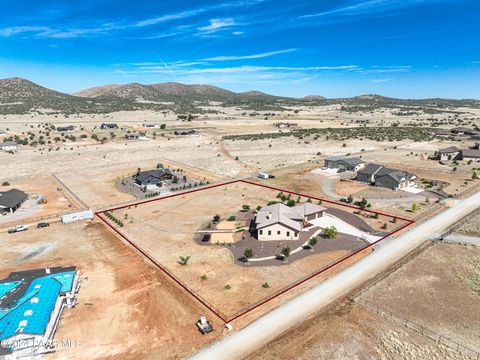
(17, 228)
(42, 225)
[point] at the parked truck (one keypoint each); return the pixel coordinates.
(204, 325)
(17, 228)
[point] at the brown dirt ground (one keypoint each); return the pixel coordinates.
(440, 290)
(126, 308)
(350, 331)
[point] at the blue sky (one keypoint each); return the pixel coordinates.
(402, 48)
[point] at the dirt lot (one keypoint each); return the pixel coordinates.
(166, 229)
(126, 308)
(471, 226)
(46, 186)
(353, 332)
(439, 290)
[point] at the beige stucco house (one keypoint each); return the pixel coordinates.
(280, 222)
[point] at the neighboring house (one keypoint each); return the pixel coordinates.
(186, 132)
(463, 131)
(285, 125)
(380, 175)
(455, 153)
(280, 222)
(69, 128)
(151, 126)
(450, 153)
(11, 200)
(108, 126)
(344, 163)
(153, 177)
(476, 146)
(8, 146)
(31, 304)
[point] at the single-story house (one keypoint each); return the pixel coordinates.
(153, 177)
(151, 126)
(11, 200)
(455, 153)
(186, 132)
(450, 153)
(69, 128)
(280, 222)
(380, 175)
(108, 126)
(8, 146)
(463, 131)
(285, 125)
(344, 163)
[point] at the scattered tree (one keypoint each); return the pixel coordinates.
(248, 253)
(286, 251)
(331, 232)
(183, 260)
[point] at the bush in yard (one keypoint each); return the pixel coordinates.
(248, 253)
(265, 285)
(331, 232)
(183, 260)
(312, 242)
(286, 251)
(231, 218)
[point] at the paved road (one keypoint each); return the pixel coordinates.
(241, 343)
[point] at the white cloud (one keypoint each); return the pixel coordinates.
(217, 24)
(14, 30)
(170, 17)
(253, 56)
(378, 81)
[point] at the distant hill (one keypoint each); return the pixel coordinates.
(20, 96)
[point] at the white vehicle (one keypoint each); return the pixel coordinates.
(17, 228)
(264, 176)
(204, 326)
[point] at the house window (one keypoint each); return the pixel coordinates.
(296, 234)
(278, 232)
(261, 232)
(269, 232)
(288, 233)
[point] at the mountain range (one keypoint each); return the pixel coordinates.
(21, 96)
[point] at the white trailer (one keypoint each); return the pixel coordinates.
(81, 215)
(263, 175)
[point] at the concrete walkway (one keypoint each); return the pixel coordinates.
(343, 227)
(457, 238)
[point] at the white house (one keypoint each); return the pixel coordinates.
(8, 146)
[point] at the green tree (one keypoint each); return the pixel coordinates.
(245, 207)
(331, 232)
(312, 242)
(414, 207)
(231, 218)
(474, 175)
(248, 253)
(286, 251)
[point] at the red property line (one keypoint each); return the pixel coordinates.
(294, 285)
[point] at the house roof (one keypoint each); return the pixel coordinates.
(371, 169)
(8, 143)
(157, 173)
(65, 128)
(110, 125)
(12, 198)
(471, 153)
(451, 149)
(350, 161)
(288, 216)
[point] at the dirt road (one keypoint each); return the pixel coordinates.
(263, 330)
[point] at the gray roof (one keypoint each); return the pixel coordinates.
(8, 143)
(380, 170)
(371, 169)
(65, 128)
(12, 198)
(158, 173)
(471, 153)
(109, 125)
(451, 149)
(354, 161)
(285, 215)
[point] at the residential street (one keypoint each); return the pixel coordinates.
(241, 343)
